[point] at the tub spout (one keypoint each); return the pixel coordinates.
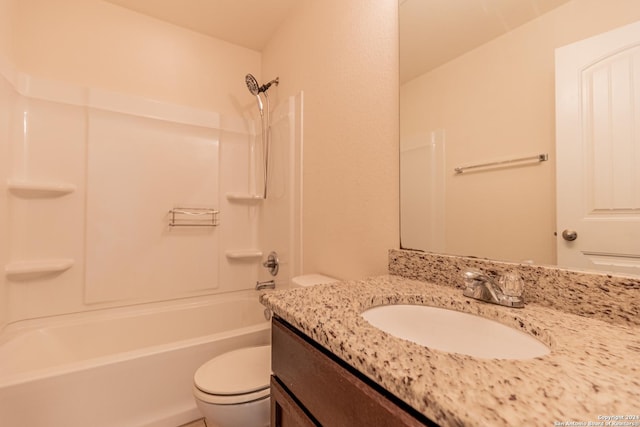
(269, 284)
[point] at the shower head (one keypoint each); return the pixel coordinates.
(255, 88)
(252, 84)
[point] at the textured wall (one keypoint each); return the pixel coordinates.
(343, 55)
(6, 26)
(97, 44)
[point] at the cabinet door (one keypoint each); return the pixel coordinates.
(285, 412)
(331, 392)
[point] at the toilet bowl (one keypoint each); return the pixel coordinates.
(232, 389)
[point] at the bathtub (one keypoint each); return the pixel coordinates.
(123, 367)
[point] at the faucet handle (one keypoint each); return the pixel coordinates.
(272, 263)
(511, 284)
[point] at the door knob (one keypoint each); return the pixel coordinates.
(569, 235)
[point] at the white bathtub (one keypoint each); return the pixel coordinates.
(125, 367)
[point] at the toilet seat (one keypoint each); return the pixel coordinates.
(238, 376)
(236, 399)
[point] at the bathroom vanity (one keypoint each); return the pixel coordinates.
(329, 363)
(310, 385)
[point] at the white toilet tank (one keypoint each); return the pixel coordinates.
(307, 280)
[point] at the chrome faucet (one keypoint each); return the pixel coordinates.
(484, 288)
(269, 284)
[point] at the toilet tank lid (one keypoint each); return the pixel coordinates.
(312, 279)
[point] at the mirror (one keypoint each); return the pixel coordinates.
(477, 86)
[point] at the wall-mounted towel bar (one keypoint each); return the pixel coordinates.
(193, 217)
(539, 158)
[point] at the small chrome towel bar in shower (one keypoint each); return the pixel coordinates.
(540, 158)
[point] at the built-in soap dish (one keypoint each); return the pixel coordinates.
(39, 189)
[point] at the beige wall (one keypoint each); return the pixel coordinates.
(495, 102)
(6, 28)
(343, 55)
(6, 51)
(95, 43)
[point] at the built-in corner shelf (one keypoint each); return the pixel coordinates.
(43, 266)
(244, 197)
(244, 254)
(39, 189)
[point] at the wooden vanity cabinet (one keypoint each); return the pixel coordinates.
(310, 386)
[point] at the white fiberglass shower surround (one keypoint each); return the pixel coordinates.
(110, 297)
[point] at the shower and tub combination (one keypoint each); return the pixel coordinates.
(113, 300)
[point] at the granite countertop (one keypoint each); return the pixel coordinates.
(592, 372)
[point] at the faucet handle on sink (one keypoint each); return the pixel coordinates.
(512, 284)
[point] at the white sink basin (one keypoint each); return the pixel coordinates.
(455, 332)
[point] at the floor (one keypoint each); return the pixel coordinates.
(196, 423)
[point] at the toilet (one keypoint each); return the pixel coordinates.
(232, 389)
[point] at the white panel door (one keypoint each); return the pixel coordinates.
(598, 152)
